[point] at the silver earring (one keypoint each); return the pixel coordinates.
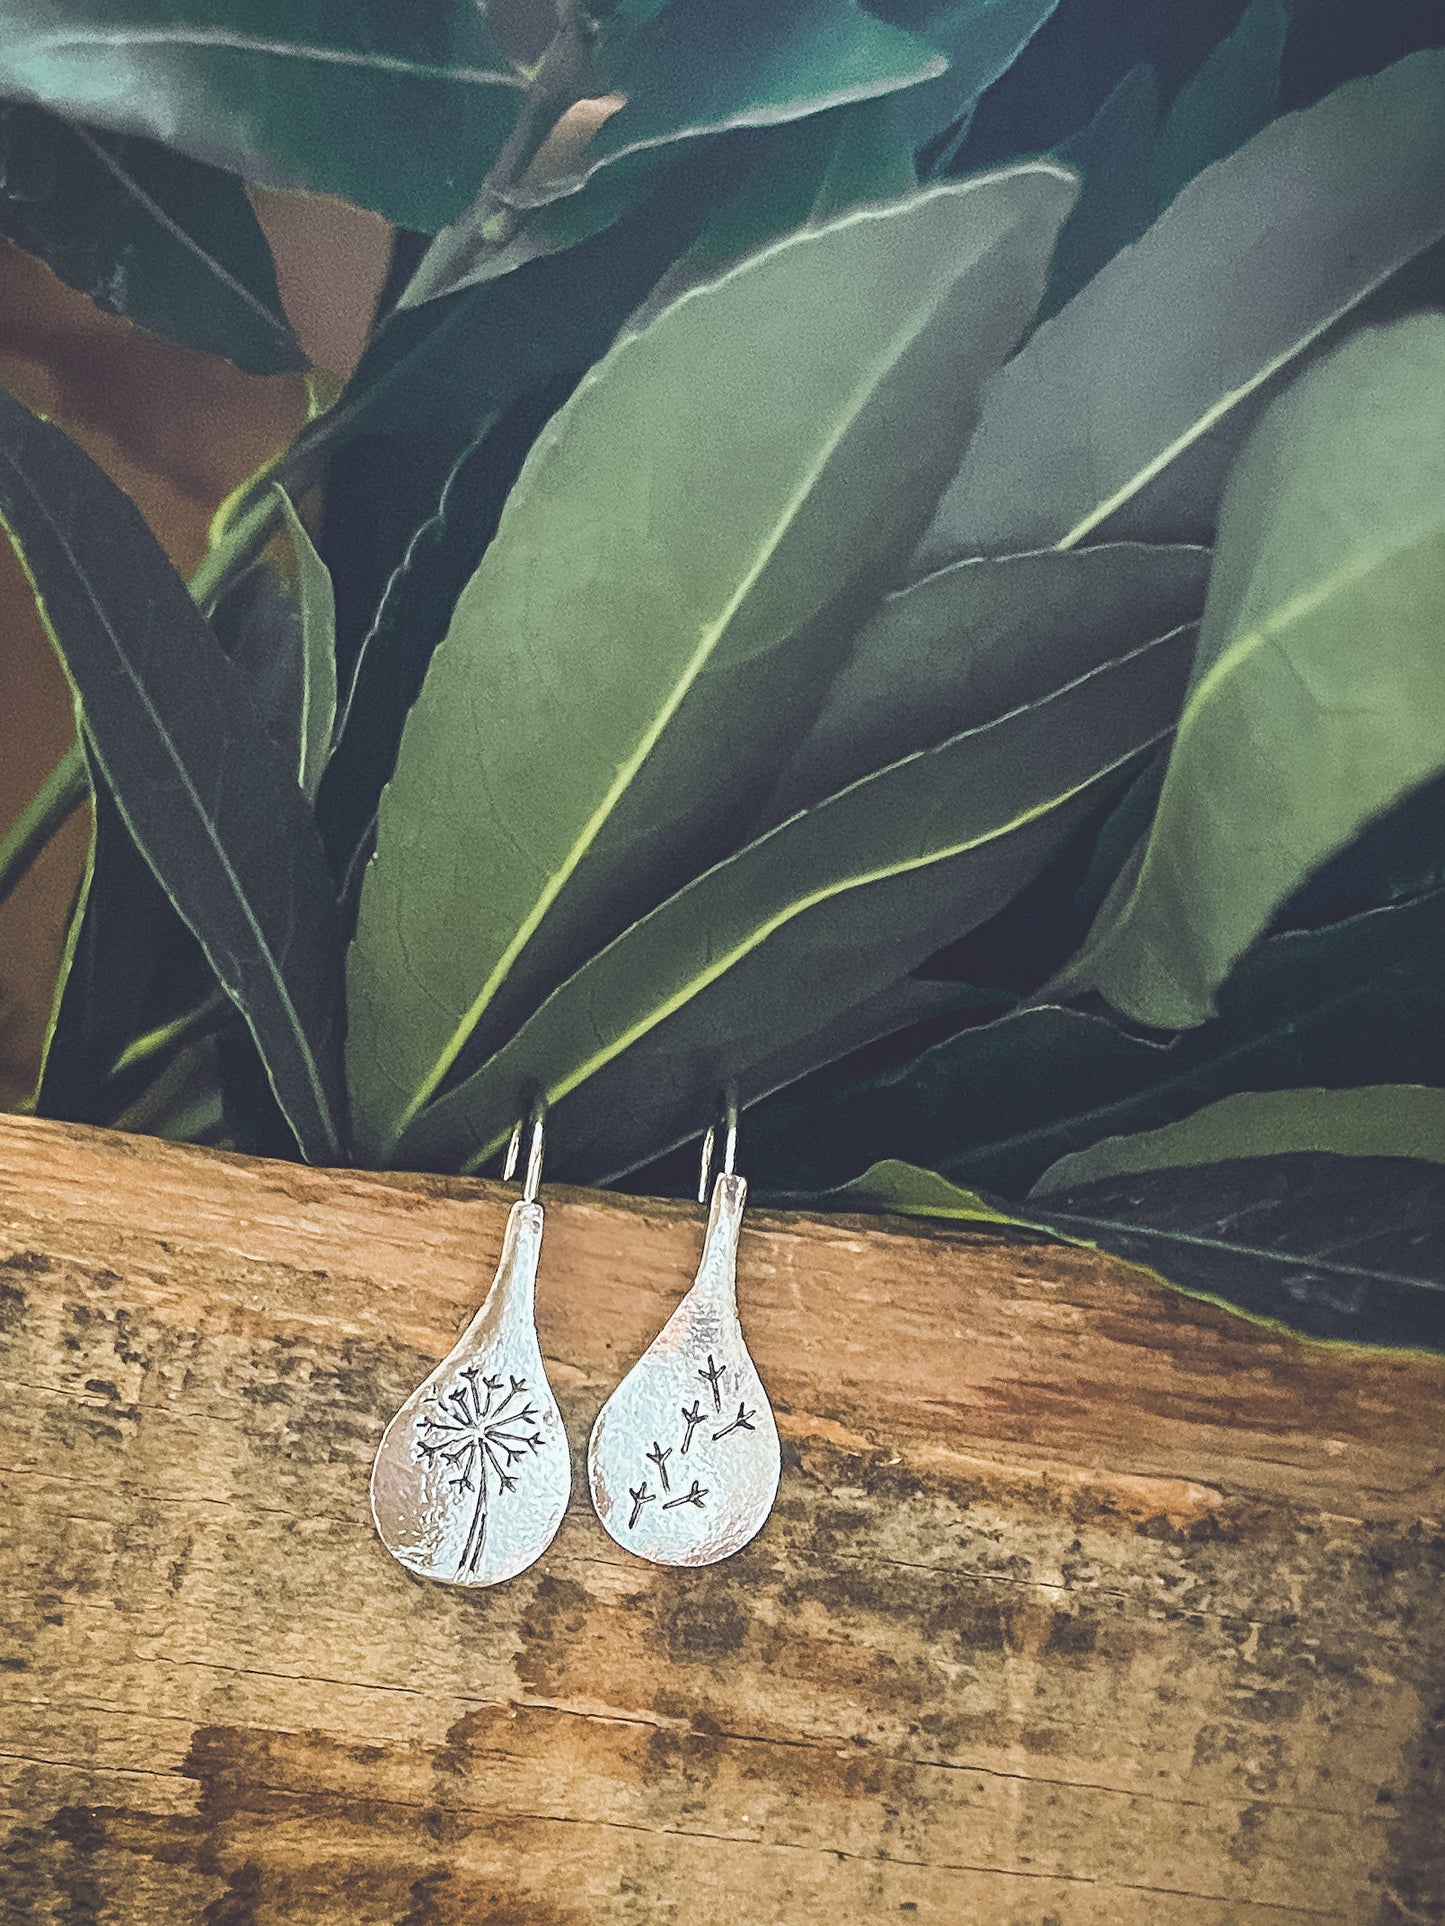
(683, 1461)
(473, 1473)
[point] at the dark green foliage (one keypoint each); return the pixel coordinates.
(620, 732)
(166, 241)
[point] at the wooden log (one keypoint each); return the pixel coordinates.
(1083, 1603)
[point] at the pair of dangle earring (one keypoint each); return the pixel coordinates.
(472, 1476)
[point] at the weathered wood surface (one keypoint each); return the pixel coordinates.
(1082, 1604)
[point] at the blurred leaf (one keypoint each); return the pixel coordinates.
(1124, 412)
(201, 787)
(913, 1192)
(288, 93)
(258, 624)
(171, 244)
(484, 243)
(982, 38)
(1133, 165)
(731, 977)
(701, 67)
(1116, 156)
(1234, 93)
(131, 965)
(672, 671)
(1348, 1248)
(965, 645)
(1338, 1247)
(1362, 1001)
(1317, 699)
(1377, 1120)
(317, 716)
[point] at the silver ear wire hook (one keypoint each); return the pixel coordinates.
(728, 1117)
(534, 1120)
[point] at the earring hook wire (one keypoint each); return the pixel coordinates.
(532, 1121)
(727, 1117)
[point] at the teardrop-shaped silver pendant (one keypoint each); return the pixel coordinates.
(473, 1474)
(683, 1461)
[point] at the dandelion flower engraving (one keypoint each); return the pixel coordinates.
(480, 1432)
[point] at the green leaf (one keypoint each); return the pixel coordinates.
(484, 244)
(1345, 1248)
(1361, 1001)
(291, 93)
(1234, 93)
(703, 67)
(203, 791)
(1349, 1248)
(964, 646)
(1378, 1120)
(1124, 412)
(1317, 699)
(808, 171)
(732, 976)
(131, 965)
(891, 1185)
(1133, 167)
(1116, 157)
(982, 38)
(146, 233)
(671, 671)
(317, 717)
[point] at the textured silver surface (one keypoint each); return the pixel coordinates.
(473, 1474)
(683, 1461)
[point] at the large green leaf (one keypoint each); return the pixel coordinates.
(166, 241)
(1376, 1120)
(1360, 1001)
(293, 93)
(1318, 697)
(707, 66)
(1124, 412)
(203, 791)
(1342, 1247)
(601, 720)
(732, 977)
(964, 646)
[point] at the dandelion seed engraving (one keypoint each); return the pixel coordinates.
(640, 1497)
(693, 1497)
(714, 1376)
(477, 1429)
(692, 1419)
(659, 1457)
(742, 1422)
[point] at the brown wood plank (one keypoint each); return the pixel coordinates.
(1082, 1602)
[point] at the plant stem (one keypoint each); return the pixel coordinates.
(65, 789)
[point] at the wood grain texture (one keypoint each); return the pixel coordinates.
(1082, 1604)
